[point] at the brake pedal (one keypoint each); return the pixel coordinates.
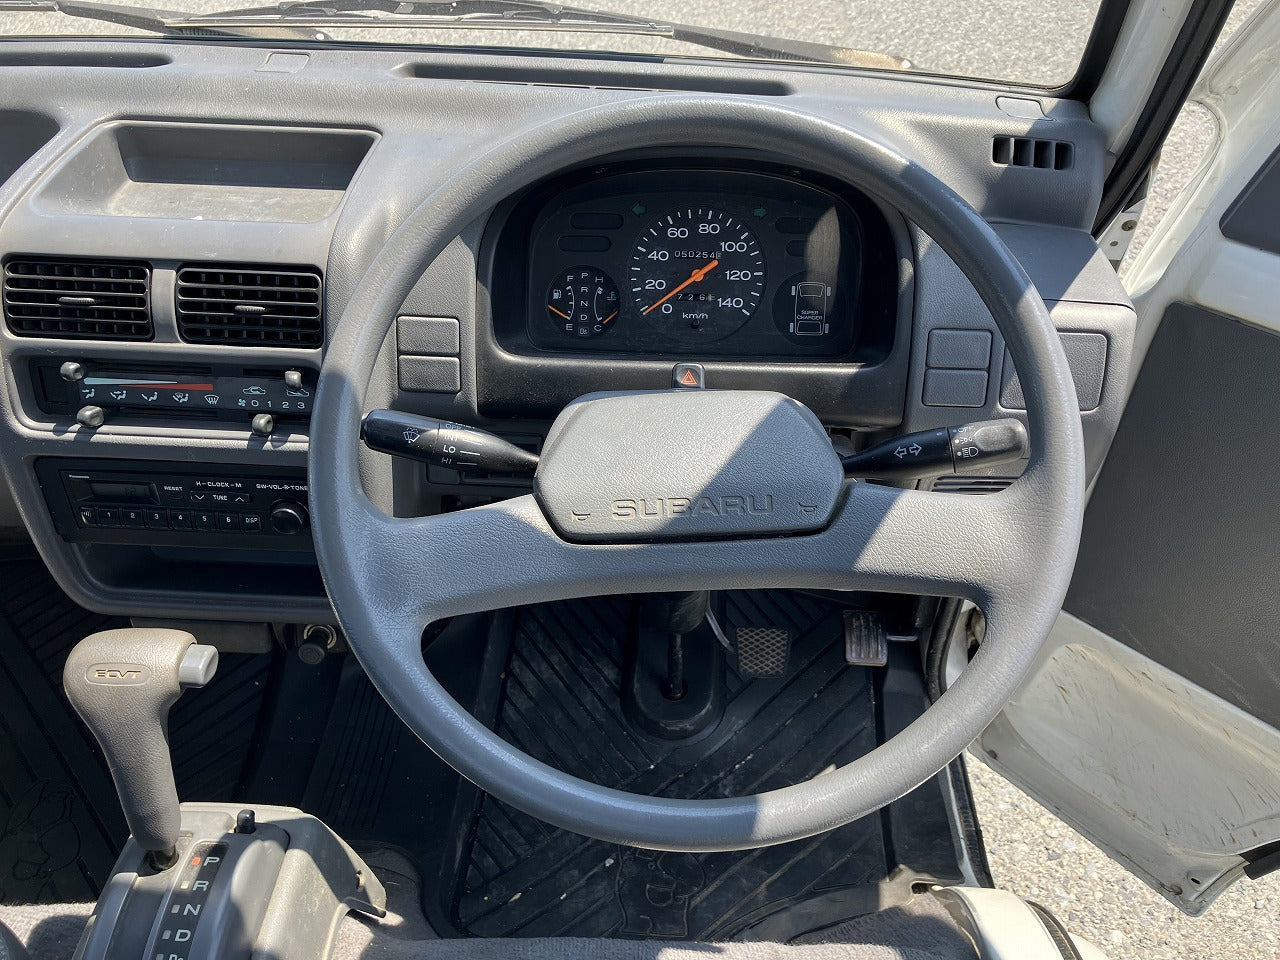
(866, 643)
(762, 651)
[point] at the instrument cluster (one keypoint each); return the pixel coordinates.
(747, 262)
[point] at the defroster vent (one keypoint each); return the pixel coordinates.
(250, 306)
(77, 299)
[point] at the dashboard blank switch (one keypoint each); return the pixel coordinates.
(430, 374)
(959, 349)
(427, 336)
(955, 388)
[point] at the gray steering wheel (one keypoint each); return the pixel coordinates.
(1011, 553)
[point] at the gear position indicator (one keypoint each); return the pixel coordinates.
(187, 901)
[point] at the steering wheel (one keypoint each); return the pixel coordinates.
(1011, 553)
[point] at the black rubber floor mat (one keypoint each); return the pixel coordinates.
(60, 822)
(520, 877)
(373, 780)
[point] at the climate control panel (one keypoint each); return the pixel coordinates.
(137, 502)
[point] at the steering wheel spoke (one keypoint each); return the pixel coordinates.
(883, 539)
(941, 544)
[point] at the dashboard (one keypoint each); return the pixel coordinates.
(172, 278)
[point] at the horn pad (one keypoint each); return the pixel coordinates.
(687, 465)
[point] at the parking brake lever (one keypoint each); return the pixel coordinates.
(933, 453)
(443, 443)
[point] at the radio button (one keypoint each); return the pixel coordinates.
(180, 519)
(87, 516)
(205, 520)
(173, 492)
(251, 523)
(108, 516)
(157, 519)
(229, 522)
(132, 517)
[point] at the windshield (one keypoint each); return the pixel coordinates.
(1021, 41)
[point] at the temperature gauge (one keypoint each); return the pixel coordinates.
(583, 302)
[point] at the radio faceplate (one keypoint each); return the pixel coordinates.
(206, 505)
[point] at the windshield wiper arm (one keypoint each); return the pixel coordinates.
(292, 15)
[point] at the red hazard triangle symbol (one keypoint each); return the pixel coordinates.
(689, 379)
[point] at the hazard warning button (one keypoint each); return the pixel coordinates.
(689, 376)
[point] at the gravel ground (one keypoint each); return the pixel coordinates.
(1037, 856)
(1032, 852)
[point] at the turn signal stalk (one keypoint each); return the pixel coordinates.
(933, 453)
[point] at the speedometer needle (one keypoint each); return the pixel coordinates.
(696, 277)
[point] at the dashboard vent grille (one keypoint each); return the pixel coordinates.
(77, 299)
(971, 485)
(1029, 152)
(250, 306)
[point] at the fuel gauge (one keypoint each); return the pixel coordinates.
(583, 302)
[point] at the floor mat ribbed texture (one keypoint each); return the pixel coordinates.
(520, 877)
(60, 822)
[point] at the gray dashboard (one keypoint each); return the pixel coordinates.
(202, 162)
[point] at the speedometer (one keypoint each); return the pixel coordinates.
(697, 268)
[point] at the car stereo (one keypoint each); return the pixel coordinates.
(136, 502)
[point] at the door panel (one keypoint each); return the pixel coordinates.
(1151, 721)
(1181, 542)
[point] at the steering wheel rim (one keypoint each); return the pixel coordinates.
(1011, 553)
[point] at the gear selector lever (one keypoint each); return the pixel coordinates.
(122, 683)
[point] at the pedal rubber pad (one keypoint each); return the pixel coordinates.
(762, 651)
(865, 642)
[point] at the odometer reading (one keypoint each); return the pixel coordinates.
(697, 268)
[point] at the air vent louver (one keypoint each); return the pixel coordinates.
(1029, 152)
(77, 299)
(250, 306)
(971, 485)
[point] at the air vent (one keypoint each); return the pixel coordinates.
(1029, 152)
(250, 306)
(77, 299)
(971, 485)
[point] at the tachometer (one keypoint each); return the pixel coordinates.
(698, 268)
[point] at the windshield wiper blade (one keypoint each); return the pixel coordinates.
(293, 15)
(151, 19)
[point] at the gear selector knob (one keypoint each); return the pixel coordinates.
(122, 684)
